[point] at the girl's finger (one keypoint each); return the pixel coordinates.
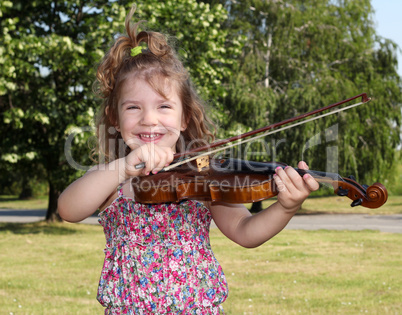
(280, 186)
(160, 160)
(284, 183)
(311, 183)
(302, 165)
(294, 178)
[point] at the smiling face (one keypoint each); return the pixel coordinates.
(145, 116)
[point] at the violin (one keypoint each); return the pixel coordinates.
(200, 177)
(240, 181)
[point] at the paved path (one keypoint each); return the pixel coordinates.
(354, 222)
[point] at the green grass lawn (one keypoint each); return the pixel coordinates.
(54, 269)
(12, 202)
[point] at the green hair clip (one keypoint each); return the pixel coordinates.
(136, 51)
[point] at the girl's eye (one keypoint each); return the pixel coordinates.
(165, 106)
(132, 107)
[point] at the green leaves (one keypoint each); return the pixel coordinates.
(303, 55)
(47, 67)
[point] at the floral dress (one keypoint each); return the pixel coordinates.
(158, 260)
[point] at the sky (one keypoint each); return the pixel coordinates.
(388, 21)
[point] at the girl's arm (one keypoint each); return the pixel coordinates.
(92, 191)
(87, 194)
(248, 230)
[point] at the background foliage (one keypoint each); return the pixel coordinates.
(254, 62)
(48, 64)
(303, 55)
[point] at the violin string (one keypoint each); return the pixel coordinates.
(325, 175)
(260, 136)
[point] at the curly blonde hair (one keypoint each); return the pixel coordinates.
(156, 64)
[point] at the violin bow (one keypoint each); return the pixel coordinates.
(264, 130)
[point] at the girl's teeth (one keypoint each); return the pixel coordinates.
(149, 136)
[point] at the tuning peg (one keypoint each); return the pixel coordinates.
(352, 177)
(356, 202)
(342, 192)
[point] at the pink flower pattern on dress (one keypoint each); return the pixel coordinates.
(158, 260)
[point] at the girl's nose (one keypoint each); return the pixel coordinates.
(149, 118)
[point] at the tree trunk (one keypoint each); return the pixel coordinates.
(52, 213)
(26, 191)
(267, 57)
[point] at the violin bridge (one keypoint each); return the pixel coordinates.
(202, 162)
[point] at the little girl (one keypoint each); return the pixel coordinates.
(158, 259)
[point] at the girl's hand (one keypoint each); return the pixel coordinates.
(293, 189)
(155, 158)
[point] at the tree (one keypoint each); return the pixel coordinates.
(48, 62)
(48, 59)
(336, 54)
(304, 54)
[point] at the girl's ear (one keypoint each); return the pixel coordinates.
(114, 122)
(184, 123)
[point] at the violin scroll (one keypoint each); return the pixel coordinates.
(377, 195)
(373, 196)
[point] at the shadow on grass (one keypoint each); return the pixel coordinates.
(38, 228)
